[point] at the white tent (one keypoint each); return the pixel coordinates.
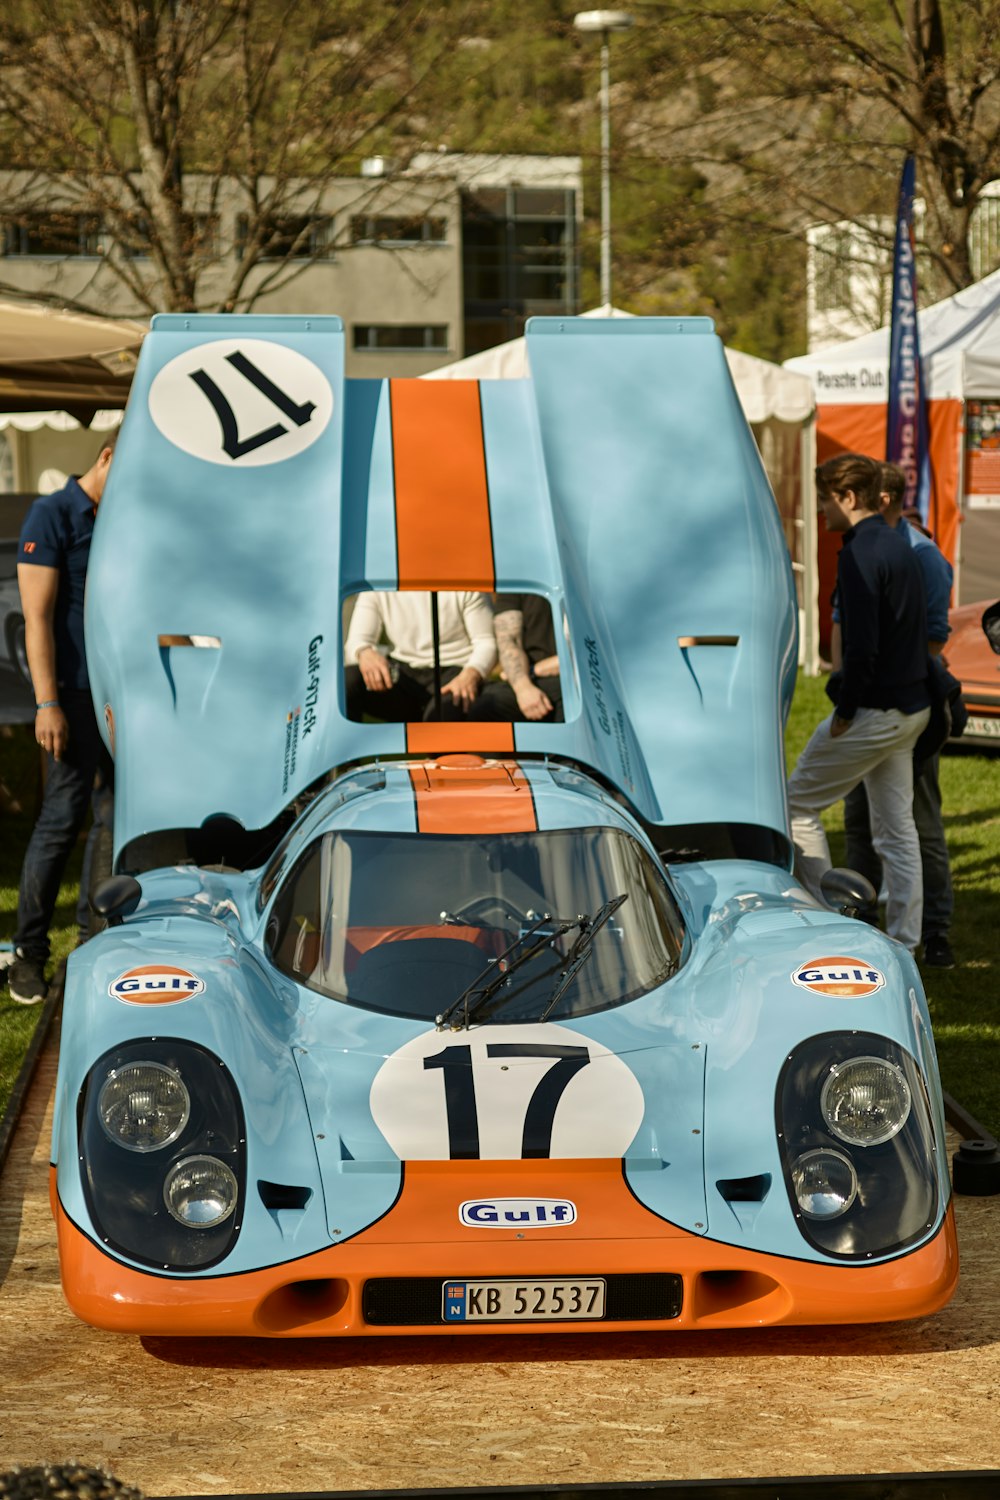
(779, 405)
(959, 349)
(69, 360)
(765, 390)
(61, 374)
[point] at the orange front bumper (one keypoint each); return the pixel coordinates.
(320, 1295)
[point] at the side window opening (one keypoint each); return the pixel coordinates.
(412, 655)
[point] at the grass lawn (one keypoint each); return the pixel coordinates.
(964, 1002)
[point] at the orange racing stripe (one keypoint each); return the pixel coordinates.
(434, 737)
(444, 538)
(466, 794)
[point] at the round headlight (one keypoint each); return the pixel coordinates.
(865, 1100)
(144, 1106)
(200, 1191)
(825, 1183)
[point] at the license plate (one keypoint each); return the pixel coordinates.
(540, 1301)
(985, 728)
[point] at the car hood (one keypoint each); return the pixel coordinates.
(599, 1089)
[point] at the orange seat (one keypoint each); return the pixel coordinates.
(362, 939)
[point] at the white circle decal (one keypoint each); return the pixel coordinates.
(241, 402)
(500, 1093)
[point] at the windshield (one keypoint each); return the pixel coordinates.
(404, 923)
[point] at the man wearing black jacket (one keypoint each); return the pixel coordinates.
(881, 699)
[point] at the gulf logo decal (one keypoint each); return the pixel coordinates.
(846, 978)
(517, 1213)
(155, 984)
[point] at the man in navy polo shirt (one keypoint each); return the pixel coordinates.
(51, 573)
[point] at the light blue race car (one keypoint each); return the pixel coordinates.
(449, 1027)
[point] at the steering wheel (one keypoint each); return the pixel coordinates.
(479, 905)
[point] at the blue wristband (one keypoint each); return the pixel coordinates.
(49, 703)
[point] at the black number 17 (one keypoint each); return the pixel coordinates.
(460, 1094)
(232, 444)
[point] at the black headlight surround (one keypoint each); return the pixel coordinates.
(124, 1189)
(898, 1198)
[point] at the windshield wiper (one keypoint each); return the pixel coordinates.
(497, 976)
(499, 971)
(581, 950)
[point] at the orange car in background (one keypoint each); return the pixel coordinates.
(973, 661)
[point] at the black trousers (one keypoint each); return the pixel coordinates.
(410, 698)
(497, 703)
(81, 780)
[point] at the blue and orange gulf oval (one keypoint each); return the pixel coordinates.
(156, 984)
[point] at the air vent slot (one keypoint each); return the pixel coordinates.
(745, 1189)
(687, 641)
(279, 1195)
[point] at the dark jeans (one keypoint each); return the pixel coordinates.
(84, 778)
(410, 699)
(497, 703)
(939, 900)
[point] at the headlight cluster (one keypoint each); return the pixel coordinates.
(858, 1146)
(163, 1153)
(866, 1100)
(144, 1106)
(825, 1183)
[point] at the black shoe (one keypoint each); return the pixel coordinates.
(937, 952)
(26, 981)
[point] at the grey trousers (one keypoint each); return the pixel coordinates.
(877, 747)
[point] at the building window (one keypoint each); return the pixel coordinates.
(399, 338)
(52, 234)
(304, 238)
(519, 256)
(984, 232)
(388, 229)
(201, 233)
(834, 257)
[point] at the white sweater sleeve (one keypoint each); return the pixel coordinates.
(365, 628)
(478, 618)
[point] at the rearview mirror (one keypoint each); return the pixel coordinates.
(847, 891)
(116, 898)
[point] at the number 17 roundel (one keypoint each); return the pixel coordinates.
(241, 402)
(502, 1093)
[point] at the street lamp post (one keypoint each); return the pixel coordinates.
(605, 22)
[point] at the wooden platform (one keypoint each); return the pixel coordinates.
(188, 1417)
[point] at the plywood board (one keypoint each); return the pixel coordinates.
(187, 1417)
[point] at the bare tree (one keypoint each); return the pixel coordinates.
(141, 119)
(803, 110)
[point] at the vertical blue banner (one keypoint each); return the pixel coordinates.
(906, 429)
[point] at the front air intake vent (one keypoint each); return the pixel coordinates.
(745, 1189)
(278, 1195)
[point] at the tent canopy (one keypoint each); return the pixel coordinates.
(765, 390)
(959, 347)
(64, 360)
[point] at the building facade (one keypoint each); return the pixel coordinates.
(849, 270)
(424, 265)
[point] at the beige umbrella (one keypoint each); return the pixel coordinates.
(64, 360)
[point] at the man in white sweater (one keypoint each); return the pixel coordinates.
(398, 685)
